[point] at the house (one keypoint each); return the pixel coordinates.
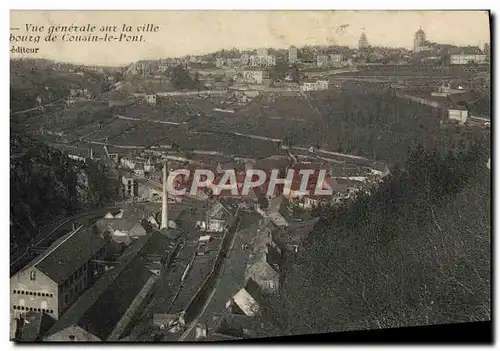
(314, 85)
(322, 60)
(58, 276)
(264, 260)
(253, 76)
(263, 272)
(156, 176)
(114, 214)
(31, 326)
(218, 217)
(291, 238)
(139, 169)
(219, 62)
(130, 186)
(245, 301)
(466, 59)
(270, 60)
(446, 89)
(309, 86)
(236, 326)
(278, 219)
(459, 114)
(337, 59)
(322, 84)
(121, 230)
(311, 201)
(128, 162)
(172, 323)
(104, 311)
(149, 166)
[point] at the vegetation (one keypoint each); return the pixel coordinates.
(45, 184)
(415, 252)
(370, 121)
(182, 80)
(32, 78)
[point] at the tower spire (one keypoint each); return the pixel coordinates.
(164, 208)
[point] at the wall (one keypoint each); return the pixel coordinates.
(41, 284)
(422, 101)
(458, 115)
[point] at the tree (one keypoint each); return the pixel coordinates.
(181, 79)
(279, 71)
(295, 74)
(415, 252)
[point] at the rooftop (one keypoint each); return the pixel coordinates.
(240, 326)
(101, 307)
(121, 224)
(202, 265)
(68, 254)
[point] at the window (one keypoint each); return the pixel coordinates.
(72, 337)
(51, 295)
(39, 294)
(22, 292)
(51, 311)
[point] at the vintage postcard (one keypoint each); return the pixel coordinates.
(230, 175)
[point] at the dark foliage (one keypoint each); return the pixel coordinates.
(45, 184)
(415, 252)
(182, 80)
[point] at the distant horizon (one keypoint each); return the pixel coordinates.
(196, 33)
(55, 60)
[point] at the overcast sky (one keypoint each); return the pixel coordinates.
(198, 32)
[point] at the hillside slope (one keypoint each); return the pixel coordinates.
(416, 252)
(46, 184)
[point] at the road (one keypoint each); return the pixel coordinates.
(150, 120)
(231, 277)
(37, 107)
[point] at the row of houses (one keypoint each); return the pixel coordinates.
(262, 59)
(86, 288)
(242, 316)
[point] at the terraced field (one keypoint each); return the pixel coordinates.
(147, 134)
(114, 129)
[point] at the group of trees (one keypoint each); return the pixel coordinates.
(282, 70)
(45, 184)
(415, 252)
(181, 79)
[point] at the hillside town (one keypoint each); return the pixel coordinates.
(155, 266)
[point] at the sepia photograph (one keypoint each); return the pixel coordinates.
(220, 176)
